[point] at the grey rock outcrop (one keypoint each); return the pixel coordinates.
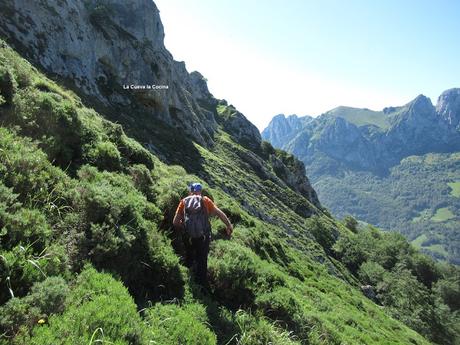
(416, 129)
(342, 140)
(236, 124)
(368, 291)
(448, 107)
(282, 129)
(294, 176)
(102, 47)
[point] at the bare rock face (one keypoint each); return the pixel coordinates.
(282, 129)
(106, 49)
(235, 123)
(295, 177)
(448, 107)
(113, 52)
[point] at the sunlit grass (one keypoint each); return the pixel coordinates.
(442, 214)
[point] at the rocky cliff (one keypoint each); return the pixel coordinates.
(282, 129)
(103, 47)
(448, 107)
(113, 53)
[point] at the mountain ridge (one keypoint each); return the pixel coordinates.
(414, 128)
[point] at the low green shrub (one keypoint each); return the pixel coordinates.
(26, 170)
(8, 85)
(104, 155)
(283, 306)
(263, 243)
(53, 121)
(170, 324)
(98, 309)
(238, 275)
(256, 331)
(19, 68)
(21, 267)
(133, 152)
(23, 227)
(120, 234)
(143, 180)
(323, 231)
(45, 298)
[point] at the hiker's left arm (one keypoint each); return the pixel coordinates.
(223, 217)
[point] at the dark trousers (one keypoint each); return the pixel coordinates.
(196, 257)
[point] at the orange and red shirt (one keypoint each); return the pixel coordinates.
(210, 206)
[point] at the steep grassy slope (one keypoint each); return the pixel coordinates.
(78, 197)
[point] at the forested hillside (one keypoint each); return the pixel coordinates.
(419, 198)
(396, 168)
(87, 249)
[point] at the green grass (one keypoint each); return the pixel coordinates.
(442, 214)
(419, 240)
(455, 188)
(437, 248)
(361, 117)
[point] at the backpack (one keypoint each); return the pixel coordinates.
(196, 220)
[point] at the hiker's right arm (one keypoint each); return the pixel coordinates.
(178, 217)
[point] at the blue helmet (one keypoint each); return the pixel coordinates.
(196, 187)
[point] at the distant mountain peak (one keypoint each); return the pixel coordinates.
(421, 106)
(422, 99)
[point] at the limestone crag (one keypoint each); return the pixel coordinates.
(282, 129)
(235, 123)
(448, 107)
(110, 50)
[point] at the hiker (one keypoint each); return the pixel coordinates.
(192, 215)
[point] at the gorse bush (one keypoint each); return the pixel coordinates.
(54, 120)
(238, 275)
(45, 298)
(121, 234)
(143, 180)
(98, 309)
(21, 267)
(29, 173)
(171, 324)
(104, 155)
(8, 86)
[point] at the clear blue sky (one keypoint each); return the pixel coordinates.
(307, 57)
